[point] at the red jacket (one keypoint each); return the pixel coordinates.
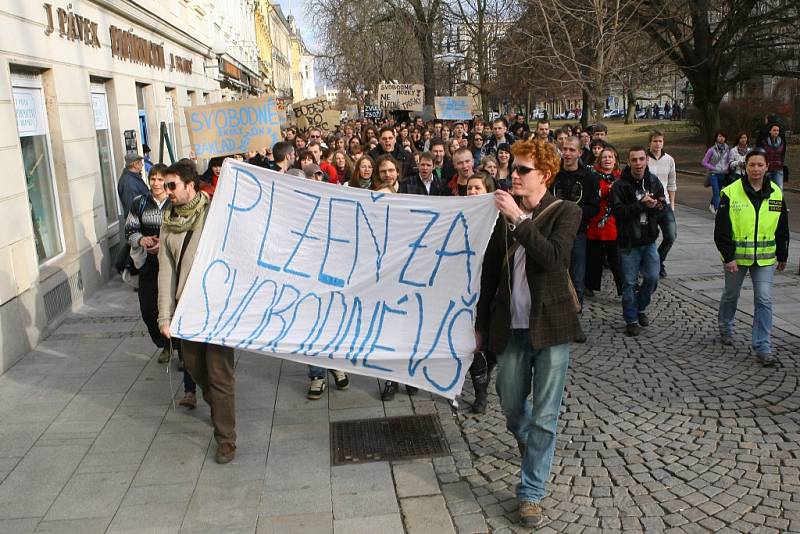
(330, 170)
(209, 188)
(609, 230)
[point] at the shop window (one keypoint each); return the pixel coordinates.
(105, 153)
(36, 157)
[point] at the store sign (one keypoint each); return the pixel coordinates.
(125, 45)
(100, 112)
(234, 127)
(180, 64)
(27, 106)
(72, 26)
(230, 70)
(373, 284)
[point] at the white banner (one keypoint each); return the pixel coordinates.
(376, 284)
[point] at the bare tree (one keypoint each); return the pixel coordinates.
(381, 28)
(480, 25)
(577, 43)
(362, 46)
(718, 44)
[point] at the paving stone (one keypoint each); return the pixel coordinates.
(415, 478)
(426, 515)
(388, 524)
(321, 523)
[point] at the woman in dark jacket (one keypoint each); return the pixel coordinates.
(527, 312)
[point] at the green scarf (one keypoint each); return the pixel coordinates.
(182, 218)
(364, 183)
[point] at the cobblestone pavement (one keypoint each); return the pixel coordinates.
(666, 432)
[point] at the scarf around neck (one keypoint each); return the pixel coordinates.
(182, 218)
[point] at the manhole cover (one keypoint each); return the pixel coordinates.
(389, 438)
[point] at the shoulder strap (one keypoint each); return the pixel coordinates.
(547, 210)
(186, 238)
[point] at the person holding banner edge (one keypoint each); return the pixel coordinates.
(211, 366)
(527, 313)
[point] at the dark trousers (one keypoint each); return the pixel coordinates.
(148, 305)
(596, 250)
(148, 298)
(577, 266)
(669, 232)
(211, 366)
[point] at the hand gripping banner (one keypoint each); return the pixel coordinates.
(383, 285)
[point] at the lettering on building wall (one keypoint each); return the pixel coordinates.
(72, 26)
(180, 64)
(125, 45)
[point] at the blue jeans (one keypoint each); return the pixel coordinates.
(717, 181)
(632, 261)
(777, 178)
(521, 368)
(577, 266)
(762, 318)
(669, 232)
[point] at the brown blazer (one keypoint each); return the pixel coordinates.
(548, 248)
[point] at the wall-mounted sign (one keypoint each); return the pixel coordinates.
(180, 64)
(72, 26)
(230, 70)
(125, 45)
(100, 112)
(27, 105)
(130, 142)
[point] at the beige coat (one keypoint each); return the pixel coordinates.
(170, 286)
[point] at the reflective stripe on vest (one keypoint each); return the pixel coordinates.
(745, 222)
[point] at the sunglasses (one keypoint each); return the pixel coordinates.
(172, 186)
(478, 138)
(522, 169)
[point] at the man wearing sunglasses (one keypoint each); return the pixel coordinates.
(211, 366)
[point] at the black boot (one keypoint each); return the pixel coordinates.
(389, 390)
(480, 382)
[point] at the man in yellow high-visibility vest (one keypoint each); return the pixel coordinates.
(751, 232)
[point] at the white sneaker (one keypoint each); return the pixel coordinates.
(711, 209)
(316, 388)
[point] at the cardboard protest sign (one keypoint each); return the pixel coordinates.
(401, 96)
(316, 113)
(453, 107)
(382, 285)
(372, 112)
(234, 126)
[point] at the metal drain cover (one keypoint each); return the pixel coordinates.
(387, 438)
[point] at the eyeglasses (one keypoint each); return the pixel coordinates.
(478, 138)
(172, 186)
(522, 169)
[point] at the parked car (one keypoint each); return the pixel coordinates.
(614, 114)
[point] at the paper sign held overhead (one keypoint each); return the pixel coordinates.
(234, 126)
(454, 108)
(401, 96)
(316, 113)
(343, 278)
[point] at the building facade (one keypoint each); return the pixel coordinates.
(302, 71)
(281, 53)
(82, 83)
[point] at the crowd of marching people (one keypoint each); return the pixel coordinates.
(571, 205)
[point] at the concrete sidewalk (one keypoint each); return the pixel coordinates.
(89, 441)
